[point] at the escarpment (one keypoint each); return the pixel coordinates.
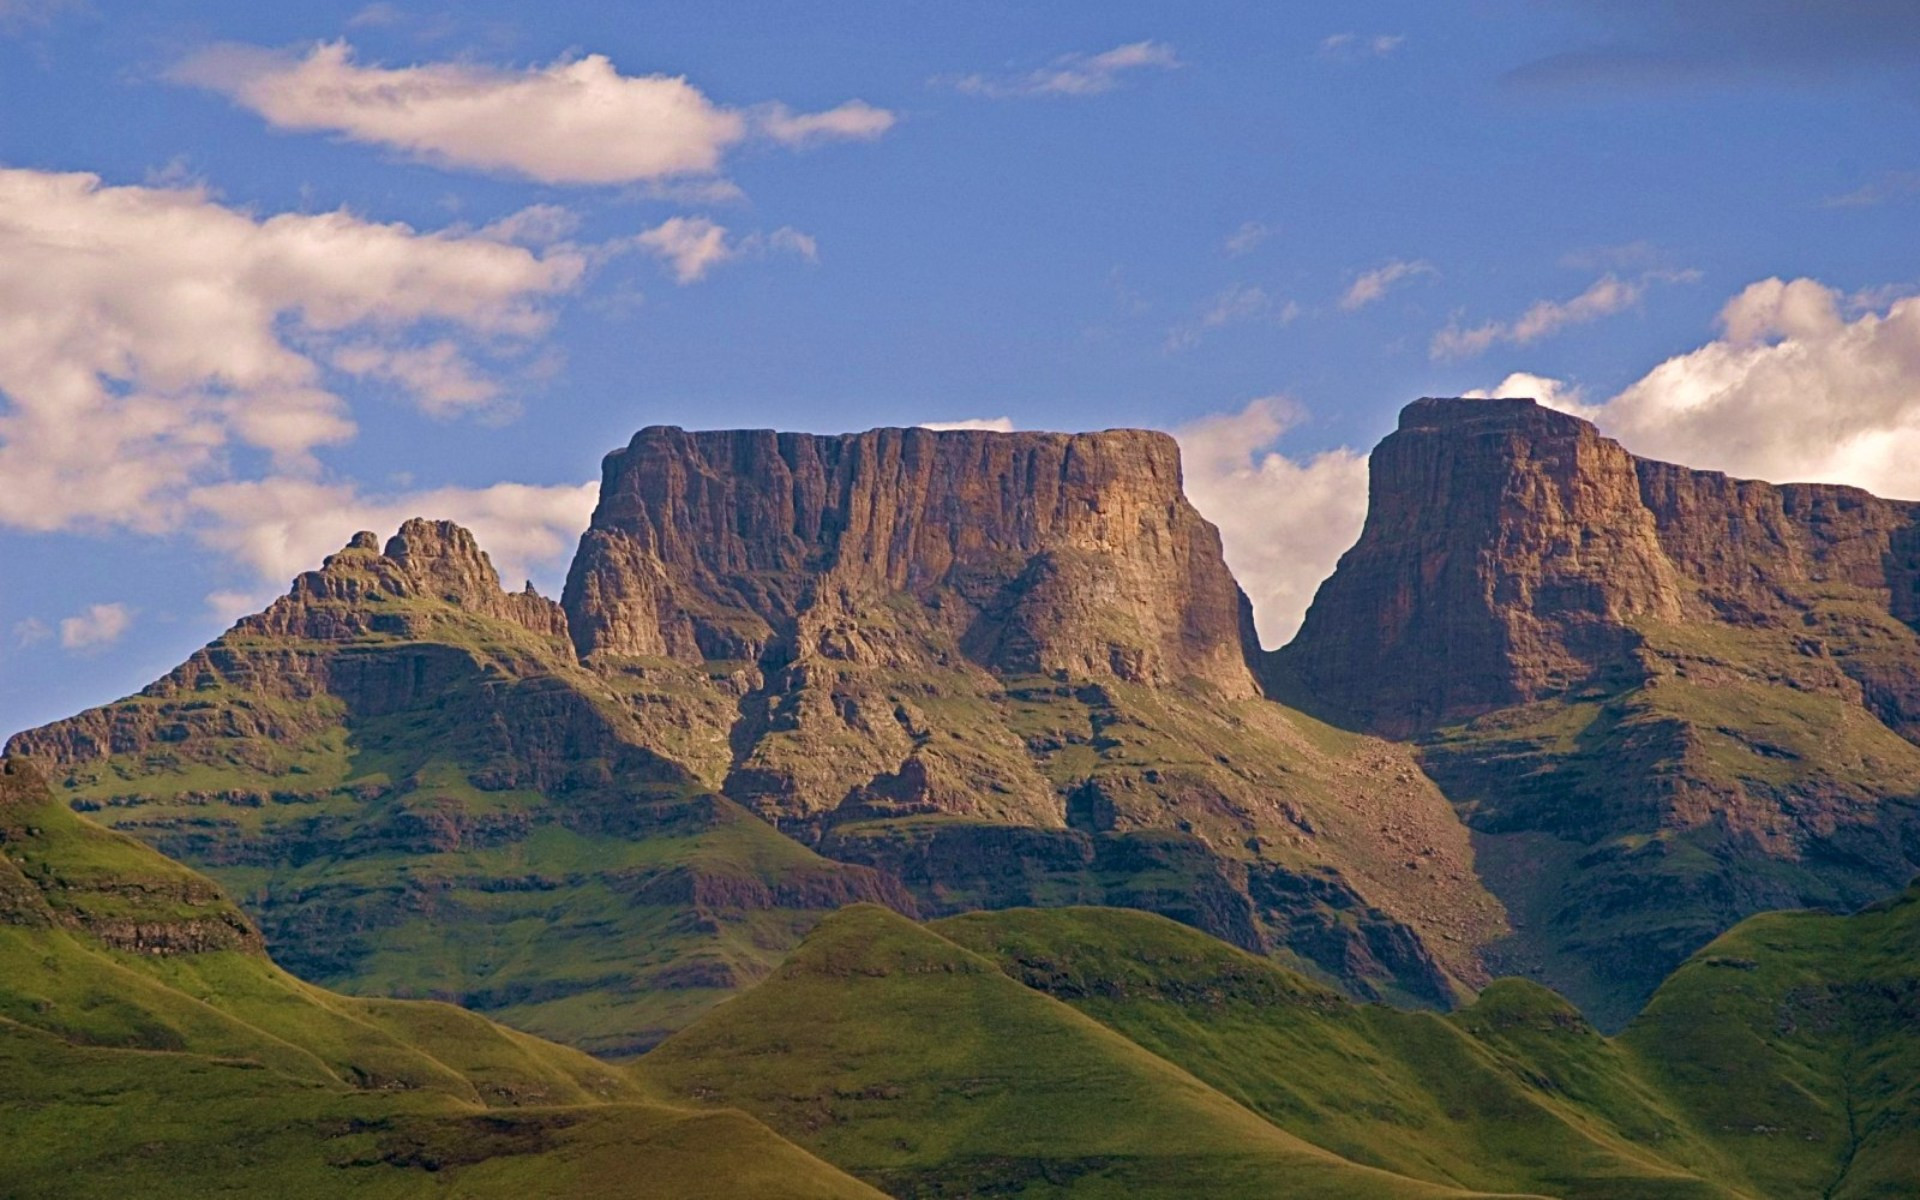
(1574, 714)
(1035, 553)
(1511, 553)
(1662, 698)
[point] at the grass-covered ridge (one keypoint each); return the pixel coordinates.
(1093, 1052)
(917, 1065)
(148, 1047)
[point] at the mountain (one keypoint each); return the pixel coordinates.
(1093, 1052)
(1560, 713)
(415, 789)
(940, 671)
(1011, 669)
(148, 1047)
(1662, 699)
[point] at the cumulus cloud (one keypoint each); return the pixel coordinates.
(574, 121)
(150, 335)
(1284, 522)
(98, 626)
(1802, 385)
(1606, 296)
(693, 246)
(1373, 285)
(1076, 74)
(990, 424)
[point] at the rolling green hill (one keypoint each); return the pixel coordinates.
(148, 1047)
(917, 1065)
(1115, 1052)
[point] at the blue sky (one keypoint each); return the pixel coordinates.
(346, 262)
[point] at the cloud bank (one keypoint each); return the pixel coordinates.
(169, 365)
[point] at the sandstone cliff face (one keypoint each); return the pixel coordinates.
(1009, 669)
(1511, 554)
(1505, 557)
(1663, 699)
(1043, 553)
(1003, 669)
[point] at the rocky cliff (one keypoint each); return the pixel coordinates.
(405, 774)
(1039, 553)
(1009, 669)
(1662, 698)
(1511, 553)
(989, 669)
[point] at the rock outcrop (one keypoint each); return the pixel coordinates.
(1041, 553)
(1511, 553)
(1663, 699)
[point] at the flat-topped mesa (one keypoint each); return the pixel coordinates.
(1512, 553)
(1038, 552)
(430, 560)
(1504, 554)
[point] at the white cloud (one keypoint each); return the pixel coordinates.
(1800, 387)
(1606, 296)
(693, 246)
(789, 240)
(30, 632)
(149, 334)
(1075, 74)
(437, 375)
(990, 424)
(100, 625)
(1246, 239)
(376, 16)
(534, 225)
(277, 528)
(574, 121)
(1373, 285)
(1349, 46)
(1283, 522)
(854, 121)
(1238, 304)
(1553, 393)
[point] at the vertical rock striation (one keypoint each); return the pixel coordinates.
(1043, 552)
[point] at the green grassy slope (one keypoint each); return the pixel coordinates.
(1409, 1092)
(148, 1047)
(1624, 831)
(917, 1065)
(1795, 1037)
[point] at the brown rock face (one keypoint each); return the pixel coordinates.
(1511, 553)
(1043, 553)
(1661, 698)
(429, 560)
(1506, 556)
